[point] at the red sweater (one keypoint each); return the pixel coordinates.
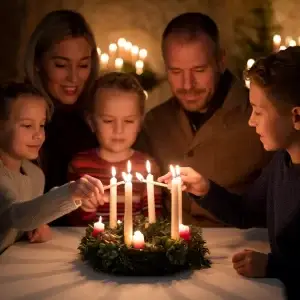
(89, 162)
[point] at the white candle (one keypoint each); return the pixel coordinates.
(250, 63)
(177, 171)
(174, 206)
(113, 199)
(128, 206)
(150, 194)
(138, 241)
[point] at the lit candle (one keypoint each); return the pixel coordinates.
(276, 41)
(128, 46)
(139, 66)
(174, 204)
(104, 58)
(282, 48)
(177, 171)
(292, 43)
(150, 194)
(99, 51)
(250, 63)
(143, 54)
(134, 52)
(112, 48)
(121, 44)
(138, 241)
(287, 40)
(113, 199)
(184, 232)
(128, 206)
(119, 64)
(98, 227)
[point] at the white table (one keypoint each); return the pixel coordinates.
(53, 271)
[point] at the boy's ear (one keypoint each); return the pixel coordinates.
(296, 117)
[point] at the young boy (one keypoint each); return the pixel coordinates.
(23, 114)
(115, 115)
(274, 199)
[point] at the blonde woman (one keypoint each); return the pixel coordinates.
(61, 61)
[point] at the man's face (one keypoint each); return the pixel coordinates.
(194, 68)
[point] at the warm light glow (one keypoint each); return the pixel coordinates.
(113, 172)
(113, 47)
(139, 65)
(119, 63)
(135, 50)
(119, 222)
(247, 83)
(177, 170)
(104, 58)
(129, 166)
(139, 176)
(172, 170)
(128, 46)
(288, 39)
(146, 94)
(148, 166)
(250, 63)
(138, 234)
(98, 51)
(100, 220)
(143, 53)
(282, 47)
(292, 43)
(277, 39)
(124, 175)
(121, 42)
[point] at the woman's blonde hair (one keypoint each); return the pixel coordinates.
(53, 28)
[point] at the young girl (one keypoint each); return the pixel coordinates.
(274, 199)
(115, 115)
(23, 114)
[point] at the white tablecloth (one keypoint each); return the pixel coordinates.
(53, 271)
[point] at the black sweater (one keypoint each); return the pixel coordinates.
(273, 201)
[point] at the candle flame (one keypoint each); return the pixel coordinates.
(148, 166)
(138, 234)
(139, 176)
(129, 166)
(113, 172)
(177, 170)
(124, 175)
(172, 170)
(119, 222)
(100, 219)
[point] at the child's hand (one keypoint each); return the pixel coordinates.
(89, 191)
(192, 182)
(40, 235)
(250, 263)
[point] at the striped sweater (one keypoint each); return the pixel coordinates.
(89, 162)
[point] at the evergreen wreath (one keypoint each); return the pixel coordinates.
(161, 255)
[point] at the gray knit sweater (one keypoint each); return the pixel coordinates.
(23, 207)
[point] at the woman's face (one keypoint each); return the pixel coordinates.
(66, 68)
